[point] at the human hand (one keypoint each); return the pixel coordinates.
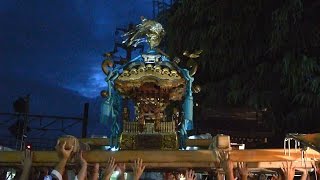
(121, 167)
(316, 169)
(83, 162)
(288, 170)
(95, 171)
(226, 163)
(63, 153)
(138, 168)
(190, 175)
(96, 167)
(109, 168)
(275, 177)
(26, 162)
(304, 174)
(27, 159)
(82, 174)
(220, 176)
(243, 169)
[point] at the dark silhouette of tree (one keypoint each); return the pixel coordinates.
(263, 54)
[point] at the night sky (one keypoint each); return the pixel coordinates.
(53, 50)
(61, 42)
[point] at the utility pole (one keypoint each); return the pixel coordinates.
(25, 120)
(85, 120)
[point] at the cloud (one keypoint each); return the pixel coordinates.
(61, 42)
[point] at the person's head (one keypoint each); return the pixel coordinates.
(43, 172)
(170, 176)
(263, 177)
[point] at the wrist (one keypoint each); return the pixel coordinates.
(228, 171)
(27, 166)
(66, 156)
(135, 177)
(107, 177)
(84, 164)
(63, 159)
(62, 162)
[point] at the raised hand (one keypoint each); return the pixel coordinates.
(27, 159)
(243, 170)
(288, 170)
(83, 171)
(226, 163)
(109, 168)
(27, 163)
(275, 177)
(94, 171)
(304, 174)
(63, 153)
(190, 175)
(138, 168)
(83, 162)
(314, 165)
(122, 169)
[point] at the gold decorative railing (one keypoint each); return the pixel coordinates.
(133, 127)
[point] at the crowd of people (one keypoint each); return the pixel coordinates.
(94, 172)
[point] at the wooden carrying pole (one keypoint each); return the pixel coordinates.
(258, 158)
